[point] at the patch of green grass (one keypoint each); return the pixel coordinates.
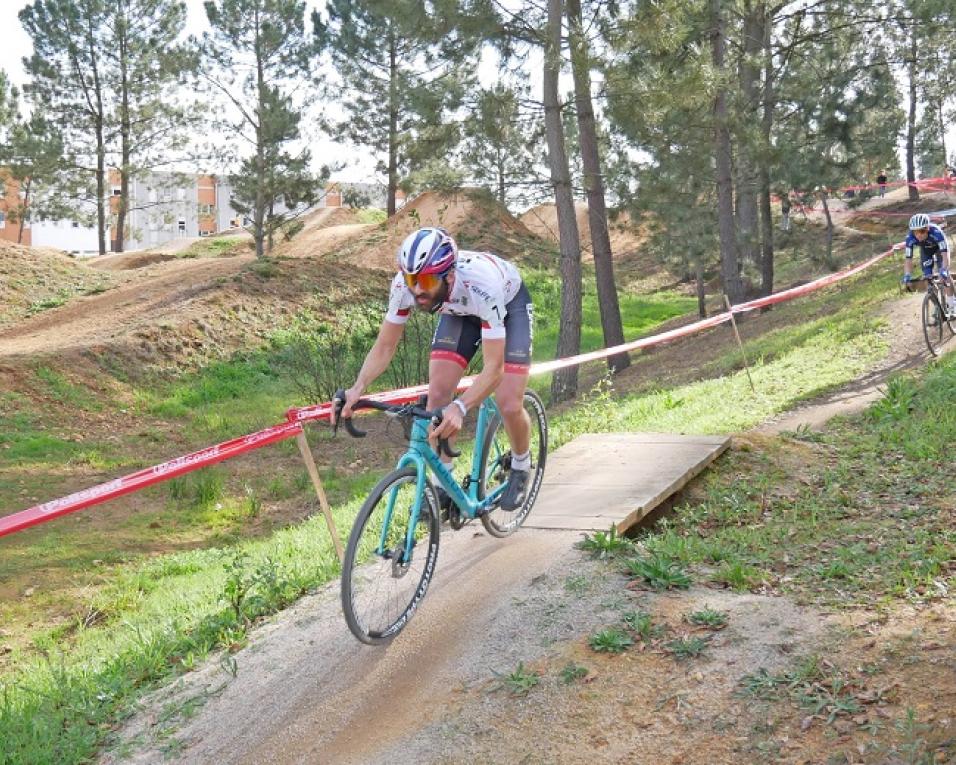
(639, 313)
(520, 681)
(573, 672)
(215, 247)
(657, 572)
(738, 576)
(709, 617)
(65, 391)
(687, 647)
(612, 640)
(370, 215)
(605, 544)
(641, 623)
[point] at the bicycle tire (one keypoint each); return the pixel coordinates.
(496, 459)
(933, 317)
(367, 574)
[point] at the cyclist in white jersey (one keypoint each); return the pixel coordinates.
(482, 301)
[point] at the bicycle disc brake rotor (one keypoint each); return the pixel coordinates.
(400, 568)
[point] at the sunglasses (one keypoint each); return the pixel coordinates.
(426, 282)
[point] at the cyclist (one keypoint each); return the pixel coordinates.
(934, 251)
(482, 301)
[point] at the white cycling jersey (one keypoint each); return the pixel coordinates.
(484, 285)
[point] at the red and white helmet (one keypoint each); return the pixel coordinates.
(427, 251)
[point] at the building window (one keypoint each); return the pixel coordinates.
(180, 194)
(117, 191)
(3, 219)
(182, 226)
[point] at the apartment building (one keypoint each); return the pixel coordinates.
(163, 206)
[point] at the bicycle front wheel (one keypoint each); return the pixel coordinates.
(933, 320)
(382, 581)
(496, 462)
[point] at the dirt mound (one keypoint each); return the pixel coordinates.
(329, 216)
(126, 261)
(626, 239)
(475, 218)
(33, 279)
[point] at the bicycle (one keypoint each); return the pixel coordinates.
(393, 546)
(934, 314)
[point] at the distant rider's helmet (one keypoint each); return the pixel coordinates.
(920, 220)
(427, 251)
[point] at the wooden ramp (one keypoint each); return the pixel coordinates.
(600, 479)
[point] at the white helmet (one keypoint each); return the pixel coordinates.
(427, 251)
(920, 220)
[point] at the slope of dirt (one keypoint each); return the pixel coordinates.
(33, 277)
(474, 218)
(180, 312)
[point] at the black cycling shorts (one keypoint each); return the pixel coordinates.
(458, 337)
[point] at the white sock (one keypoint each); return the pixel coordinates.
(521, 461)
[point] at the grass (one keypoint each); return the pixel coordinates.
(657, 572)
(605, 544)
(520, 681)
(215, 247)
(612, 640)
(639, 313)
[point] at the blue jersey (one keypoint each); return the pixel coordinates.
(934, 243)
(932, 249)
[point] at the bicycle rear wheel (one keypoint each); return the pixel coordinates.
(933, 319)
(496, 461)
(380, 592)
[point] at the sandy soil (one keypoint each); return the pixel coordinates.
(432, 695)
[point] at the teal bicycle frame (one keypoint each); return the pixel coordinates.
(422, 457)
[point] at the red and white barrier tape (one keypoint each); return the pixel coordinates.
(296, 416)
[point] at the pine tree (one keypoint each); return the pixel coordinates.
(404, 66)
(151, 125)
(258, 55)
(498, 140)
(68, 70)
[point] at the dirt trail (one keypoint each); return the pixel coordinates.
(160, 290)
(907, 351)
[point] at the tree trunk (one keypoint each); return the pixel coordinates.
(500, 166)
(749, 75)
(729, 271)
(766, 126)
(942, 135)
(25, 209)
(564, 385)
(392, 126)
(125, 130)
(911, 127)
(259, 212)
(594, 188)
(826, 213)
(98, 120)
(701, 292)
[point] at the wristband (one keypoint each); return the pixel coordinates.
(461, 406)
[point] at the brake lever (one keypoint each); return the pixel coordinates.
(338, 403)
(443, 445)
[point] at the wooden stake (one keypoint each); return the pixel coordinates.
(743, 353)
(323, 500)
